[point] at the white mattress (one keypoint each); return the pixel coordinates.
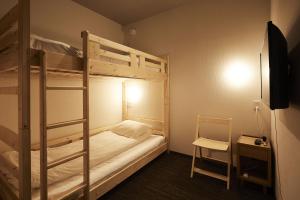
(103, 146)
(100, 171)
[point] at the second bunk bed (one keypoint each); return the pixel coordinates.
(47, 170)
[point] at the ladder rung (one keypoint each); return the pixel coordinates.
(65, 159)
(67, 123)
(65, 88)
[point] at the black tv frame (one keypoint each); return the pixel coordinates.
(277, 52)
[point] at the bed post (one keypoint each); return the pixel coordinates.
(24, 100)
(167, 103)
(86, 126)
(124, 102)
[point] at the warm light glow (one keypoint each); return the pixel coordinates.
(134, 94)
(237, 74)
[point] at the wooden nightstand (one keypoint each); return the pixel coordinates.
(259, 156)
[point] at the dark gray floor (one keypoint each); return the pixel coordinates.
(168, 178)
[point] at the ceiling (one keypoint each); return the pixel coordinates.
(128, 11)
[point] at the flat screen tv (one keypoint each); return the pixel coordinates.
(274, 69)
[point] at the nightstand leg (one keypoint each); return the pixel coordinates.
(200, 152)
(228, 168)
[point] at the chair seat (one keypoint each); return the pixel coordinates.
(211, 144)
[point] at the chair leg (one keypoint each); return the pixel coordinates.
(228, 176)
(228, 170)
(193, 162)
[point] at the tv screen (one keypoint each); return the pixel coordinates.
(274, 69)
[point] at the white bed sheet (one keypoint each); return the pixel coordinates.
(102, 170)
(103, 146)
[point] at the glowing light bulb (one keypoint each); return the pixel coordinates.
(134, 94)
(237, 74)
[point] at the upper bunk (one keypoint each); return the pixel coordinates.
(104, 57)
(112, 59)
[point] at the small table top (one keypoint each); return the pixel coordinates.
(248, 140)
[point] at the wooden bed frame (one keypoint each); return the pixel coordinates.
(101, 57)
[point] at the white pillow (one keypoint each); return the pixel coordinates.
(132, 129)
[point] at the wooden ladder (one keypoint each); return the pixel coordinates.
(44, 127)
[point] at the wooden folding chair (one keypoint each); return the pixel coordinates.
(216, 145)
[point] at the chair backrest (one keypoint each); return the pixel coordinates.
(213, 120)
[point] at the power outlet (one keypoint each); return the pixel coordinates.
(256, 105)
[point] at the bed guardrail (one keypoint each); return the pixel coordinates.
(113, 59)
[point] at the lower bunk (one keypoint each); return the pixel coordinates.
(111, 166)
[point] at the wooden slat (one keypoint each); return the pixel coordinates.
(216, 160)
(9, 90)
(9, 137)
(65, 88)
(23, 12)
(133, 60)
(149, 74)
(113, 69)
(110, 69)
(163, 67)
(71, 192)
(214, 120)
(93, 48)
(101, 52)
(153, 65)
(65, 159)
(11, 168)
(8, 20)
(101, 187)
(211, 174)
(71, 138)
(156, 124)
(108, 43)
(211, 144)
(8, 40)
(58, 71)
(142, 61)
(151, 57)
(124, 102)
(66, 123)
(124, 48)
(43, 127)
(86, 126)
(62, 61)
(166, 103)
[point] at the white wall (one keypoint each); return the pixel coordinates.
(286, 15)
(64, 20)
(150, 104)
(202, 39)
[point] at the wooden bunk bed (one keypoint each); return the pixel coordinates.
(100, 57)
